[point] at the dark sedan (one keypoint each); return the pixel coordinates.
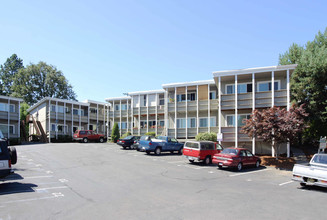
(128, 141)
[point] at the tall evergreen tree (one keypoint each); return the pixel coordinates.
(8, 72)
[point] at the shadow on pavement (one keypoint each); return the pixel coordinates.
(14, 188)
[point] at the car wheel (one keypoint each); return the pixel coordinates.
(157, 151)
(257, 164)
(191, 161)
(239, 166)
(220, 167)
(124, 148)
(303, 184)
(85, 140)
(147, 152)
(101, 140)
(13, 155)
(207, 160)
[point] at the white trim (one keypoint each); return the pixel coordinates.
(273, 88)
(11, 98)
(149, 92)
(253, 70)
(56, 99)
(194, 83)
(118, 98)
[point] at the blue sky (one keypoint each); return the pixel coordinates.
(107, 48)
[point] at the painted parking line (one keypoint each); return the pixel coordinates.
(49, 188)
(240, 174)
(282, 184)
(54, 195)
(37, 177)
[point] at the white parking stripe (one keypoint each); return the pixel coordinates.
(36, 177)
(282, 184)
(257, 171)
(56, 187)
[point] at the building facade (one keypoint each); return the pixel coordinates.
(52, 117)
(10, 116)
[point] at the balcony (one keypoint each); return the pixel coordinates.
(229, 135)
(13, 116)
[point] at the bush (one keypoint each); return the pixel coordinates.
(126, 134)
(115, 133)
(14, 141)
(206, 136)
(151, 133)
(62, 139)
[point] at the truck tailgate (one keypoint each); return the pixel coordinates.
(310, 171)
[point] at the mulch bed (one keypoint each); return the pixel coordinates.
(283, 163)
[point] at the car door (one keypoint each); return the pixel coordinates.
(174, 144)
(251, 160)
(243, 157)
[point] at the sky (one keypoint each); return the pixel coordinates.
(108, 48)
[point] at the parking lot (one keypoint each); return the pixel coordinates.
(93, 180)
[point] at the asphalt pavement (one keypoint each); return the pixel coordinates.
(103, 181)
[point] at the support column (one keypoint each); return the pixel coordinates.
(79, 117)
(127, 116)
(166, 112)
(288, 106)
(175, 113)
(120, 127)
(19, 119)
(88, 117)
(113, 113)
(147, 113)
(197, 109)
(107, 124)
(8, 118)
(49, 120)
(253, 107)
(132, 114)
(104, 118)
(236, 121)
(208, 107)
(186, 116)
(72, 112)
(272, 103)
(65, 118)
(97, 130)
(157, 104)
(56, 120)
(139, 115)
(219, 106)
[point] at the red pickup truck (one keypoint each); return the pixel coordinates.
(201, 151)
(87, 135)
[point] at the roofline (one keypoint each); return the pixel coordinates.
(11, 98)
(118, 98)
(95, 102)
(194, 83)
(254, 70)
(146, 92)
(56, 99)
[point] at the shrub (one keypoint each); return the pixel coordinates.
(206, 136)
(115, 133)
(62, 139)
(151, 133)
(126, 134)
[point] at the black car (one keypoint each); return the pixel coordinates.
(128, 141)
(8, 156)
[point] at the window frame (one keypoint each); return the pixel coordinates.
(263, 82)
(238, 84)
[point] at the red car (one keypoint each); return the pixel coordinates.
(87, 135)
(201, 151)
(236, 158)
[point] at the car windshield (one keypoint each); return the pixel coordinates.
(192, 145)
(229, 151)
(145, 138)
(320, 158)
(161, 138)
(129, 137)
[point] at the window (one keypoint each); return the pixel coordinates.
(249, 154)
(231, 120)
(213, 122)
(79, 112)
(53, 108)
(11, 108)
(143, 124)
(213, 95)
(203, 122)
(4, 128)
(117, 107)
(207, 146)
(191, 96)
(124, 107)
(161, 123)
(144, 100)
(123, 125)
(53, 127)
(241, 88)
(161, 99)
(181, 98)
(266, 86)
(94, 111)
(181, 122)
(191, 123)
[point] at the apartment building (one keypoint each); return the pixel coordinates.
(183, 110)
(10, 116)
(51, 117)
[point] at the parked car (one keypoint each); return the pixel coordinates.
(128, 141)
(88, 135)
(314, 173)
(160, 144)
(8, 157)
(197, 151)
(137, 145)
(236, 158)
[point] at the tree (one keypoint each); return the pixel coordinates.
(115, 133)
(39, 81)
(309, 82)
(276, 125)
(8, 72)
(208, 136)
(23, 114)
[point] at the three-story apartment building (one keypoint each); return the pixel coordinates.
(10, 116)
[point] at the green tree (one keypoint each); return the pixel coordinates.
(309, 82)
(23, 114)
(41, 80)
(115, 133)
(8, 72)
(208, 136)
(126, 134)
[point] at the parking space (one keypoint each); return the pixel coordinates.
(92, 180)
